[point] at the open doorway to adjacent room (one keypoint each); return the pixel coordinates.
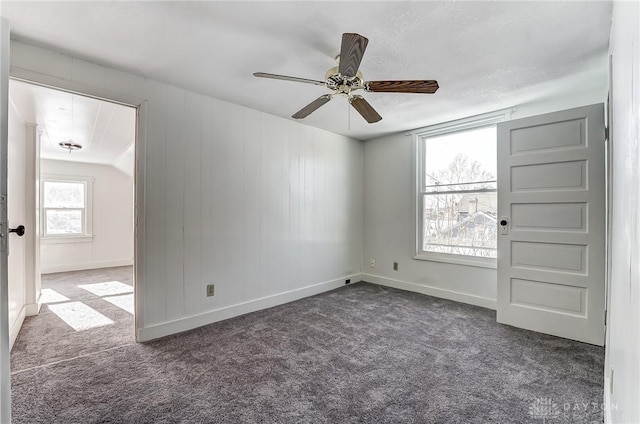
(71, 184)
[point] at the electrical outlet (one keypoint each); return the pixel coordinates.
(395, 266)
(210, 290)
(373, 263)
(347, 281)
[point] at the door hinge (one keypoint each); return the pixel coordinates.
(4, 237)
(605, 318)
(606, 133)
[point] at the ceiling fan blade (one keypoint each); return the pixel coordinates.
(311, 107)
(365, 109)
(417, 86)
(351, 52)
(287, 78)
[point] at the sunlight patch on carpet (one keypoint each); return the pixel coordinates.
(52, 296)
(123, 302)
(109, 288)
(79, 316)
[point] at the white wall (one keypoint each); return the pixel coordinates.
(17, 216)
(126, 161)
(112, 243)
(389, 231)
(389, 218)
(623, 347)
(267, 209)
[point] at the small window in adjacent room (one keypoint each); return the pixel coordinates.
(457, 195)
(66, 208)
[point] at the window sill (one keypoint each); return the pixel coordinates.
(458, 260)
(66, 239)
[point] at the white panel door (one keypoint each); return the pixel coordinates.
(5, 377)
(551, 216)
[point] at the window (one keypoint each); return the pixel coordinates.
(66, 208)
(457, 198)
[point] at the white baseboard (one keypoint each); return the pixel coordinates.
(189, 323)
(33, 309)
(607, 401)
(485, 302)
(84, 266)
(15, 327)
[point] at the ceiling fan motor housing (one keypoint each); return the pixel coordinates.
(342, 84)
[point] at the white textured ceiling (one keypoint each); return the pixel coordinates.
(485, 55)
(106, 131)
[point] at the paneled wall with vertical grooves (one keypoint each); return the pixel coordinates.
(256, 204)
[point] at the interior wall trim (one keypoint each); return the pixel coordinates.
(33, 309)
(15, 327)
(607, 400)
(485, 302)
(189, 323)
(86, 265)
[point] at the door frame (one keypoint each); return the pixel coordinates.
(139, 166)
(5, 369)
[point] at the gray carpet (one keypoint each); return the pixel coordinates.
(359, 354)
(46, 338)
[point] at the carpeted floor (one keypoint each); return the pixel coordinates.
(359, 354)
(47, 338)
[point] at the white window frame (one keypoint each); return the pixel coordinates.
(419, 137)
(87, 236)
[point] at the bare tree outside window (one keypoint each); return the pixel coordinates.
(459, 195)
(64, 207)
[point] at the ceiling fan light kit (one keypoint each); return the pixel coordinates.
(346, 78)
(70, 145)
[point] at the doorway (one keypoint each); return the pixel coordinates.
(79, 237)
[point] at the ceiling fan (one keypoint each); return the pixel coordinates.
(346, 78)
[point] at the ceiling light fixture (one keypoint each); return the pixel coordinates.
(70, 145)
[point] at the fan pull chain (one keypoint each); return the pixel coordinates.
(348, 115)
